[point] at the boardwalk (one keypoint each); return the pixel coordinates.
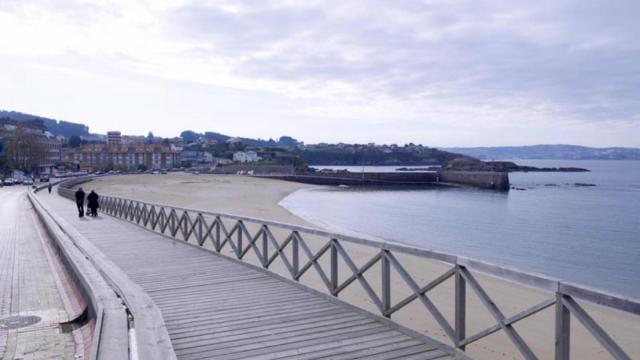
(218, 308)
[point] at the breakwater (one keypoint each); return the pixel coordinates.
(480, 179)
(365, 178)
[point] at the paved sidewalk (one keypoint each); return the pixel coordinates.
(29, 285)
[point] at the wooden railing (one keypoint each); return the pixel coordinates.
(231, 233)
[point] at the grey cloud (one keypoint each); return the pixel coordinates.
(578, 56)
(238, 34)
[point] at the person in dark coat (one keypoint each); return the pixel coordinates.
(80, 202)
(92, 203)
(49, 187)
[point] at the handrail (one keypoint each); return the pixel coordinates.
(183, 223)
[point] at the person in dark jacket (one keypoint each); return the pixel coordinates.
(49, 187)
(80, 202)
(92, 203)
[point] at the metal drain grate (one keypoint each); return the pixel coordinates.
(16, 322)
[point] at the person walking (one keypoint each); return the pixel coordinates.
(92, 203)
(49, 188)
(80, 202)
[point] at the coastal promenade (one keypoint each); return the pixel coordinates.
(215, 307)
(164, 282)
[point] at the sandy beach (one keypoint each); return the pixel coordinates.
(259, 198)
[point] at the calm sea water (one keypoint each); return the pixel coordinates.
(589, 235)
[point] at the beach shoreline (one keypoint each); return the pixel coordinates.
(261, 198)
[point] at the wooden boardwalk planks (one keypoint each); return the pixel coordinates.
(217, 308)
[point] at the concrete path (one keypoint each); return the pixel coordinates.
(218, 308)
(31, 280)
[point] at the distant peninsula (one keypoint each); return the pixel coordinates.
(470, 164)
(552, 152)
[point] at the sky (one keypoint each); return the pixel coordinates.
(440, 73)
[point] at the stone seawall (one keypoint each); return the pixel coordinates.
(367, 178)
(481, 179)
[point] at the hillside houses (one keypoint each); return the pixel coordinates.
(246, 156)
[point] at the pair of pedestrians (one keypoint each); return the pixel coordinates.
(92, 203)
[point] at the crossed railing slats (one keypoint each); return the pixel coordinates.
(187, 223)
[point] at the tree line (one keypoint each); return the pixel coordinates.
(21, 148)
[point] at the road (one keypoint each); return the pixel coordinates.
(34, 291)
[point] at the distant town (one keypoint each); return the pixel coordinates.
(44, 146)
(36, 145)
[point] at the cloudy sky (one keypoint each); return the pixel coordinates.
(441, 73)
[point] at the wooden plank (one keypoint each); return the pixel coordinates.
(235, 321)
(439, 354)
(256, 313)
(247, 326)
(216, 293)
(351, 351)
(278, 347)
(221, 302)
(417, 351)
(186, 303)
(283, 335)
(310, 350)
(242, 309)
(270, 329)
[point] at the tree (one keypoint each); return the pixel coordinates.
(288, 141)
(75, 141)
(23, 148)
(189, 136)
(4, 166)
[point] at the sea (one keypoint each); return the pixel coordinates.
(584, 234)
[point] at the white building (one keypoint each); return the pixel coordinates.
(245, 157)
(196, 157)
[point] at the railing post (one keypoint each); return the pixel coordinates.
(199, 231)
(563, 329)
(239, 254)
(334, 267)
(217, 241)
(385, 272)
(172, 224)
(265, 247)
(460, 308)
(295, 254)
(185, 225)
